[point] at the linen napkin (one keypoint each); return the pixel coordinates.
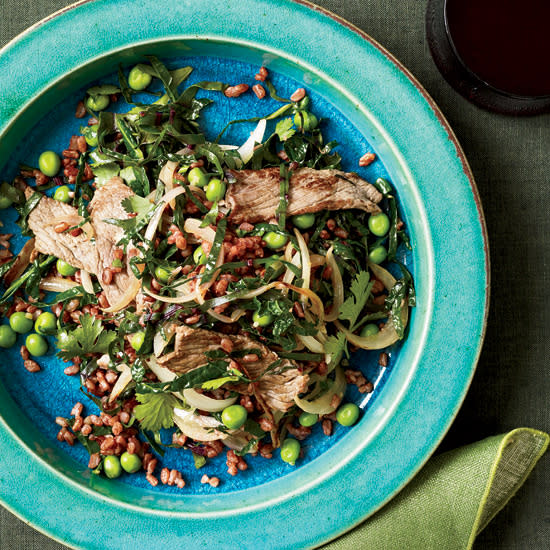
(452, 498)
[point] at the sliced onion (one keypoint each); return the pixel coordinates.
(306, 262)
(166, 175)
(22, 260)
(162, 373)
(198, 427)
(192, 225)
(235, 316)
(289, 275)
(311, 343)
(337, 285)
(126, 298)
(159, 343)
(225, 147)
(238, 442)
(204, 403)
(246, 150)
(170, 300)
(56, 284)
(155, 220)
(123, 380)
(322, 405)
(86, 281)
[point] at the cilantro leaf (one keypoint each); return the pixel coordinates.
(353, 305)
(156, 410)
(199, 460)
(284, 129)
(335, 346)
(90, 337)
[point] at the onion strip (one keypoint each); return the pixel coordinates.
(56, 284)
(337, 285)
(205, 403)
(192, 225)
(323, 404)
(306, 261)
(123, 380)
(86, 281)
(198, 427)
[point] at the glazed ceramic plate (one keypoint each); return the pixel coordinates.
(368, 102)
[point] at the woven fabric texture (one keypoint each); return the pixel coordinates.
(509, 158)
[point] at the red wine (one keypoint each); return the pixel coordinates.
(506, 43)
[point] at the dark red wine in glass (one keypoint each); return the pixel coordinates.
(496, 53)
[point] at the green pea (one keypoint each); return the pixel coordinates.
(162, 274)
(303, 221)
(98, 102)
(65, 269)
(379, 224)
(36, 344)
(137, 339)
(378, 255)
(21, 322)
(290, 451)
(131, 463)
(308, 419)
(262, 320)
(369, 330)
(234, 416)
(49, 163)
(305, 120)
(91, 135)
(197, 177)
(111, 466)
(8, 336)
(5, 202)
(199, 256)
(347, 414)
(138, 79)
(62, 194)
(215, 190)
(275, 240)
(46, 323)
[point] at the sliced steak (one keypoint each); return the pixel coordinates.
(276, 389)
(254, 196)
(107, 203)
(77, 251)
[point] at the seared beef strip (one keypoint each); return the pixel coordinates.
(78, 251)
(254, 196)
(276, 390)
(107, 203)
(81, 251)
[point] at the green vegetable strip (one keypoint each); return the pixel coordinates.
(210, 266)
(203, 209)
(165, 76)
(392, 235)
(273, 92)
(25, 210)
(30, 273)
(129, 140)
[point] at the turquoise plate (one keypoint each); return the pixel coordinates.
(369, 102)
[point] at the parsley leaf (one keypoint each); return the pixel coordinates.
(360, 288)
(335, 345)
(90, 337)
(284, 129)
(156, 410)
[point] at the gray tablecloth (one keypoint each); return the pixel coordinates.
(510, 159)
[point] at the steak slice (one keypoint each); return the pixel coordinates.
(107, 203)
(276, 389)
(254, 196)
(79, 251)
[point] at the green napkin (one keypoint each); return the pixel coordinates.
(452, 498)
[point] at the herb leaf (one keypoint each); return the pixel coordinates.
(156, 410)
(354, 304)
(284, 129)
(335, 345)
(90, 337)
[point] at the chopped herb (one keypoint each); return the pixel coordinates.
(156, 410)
